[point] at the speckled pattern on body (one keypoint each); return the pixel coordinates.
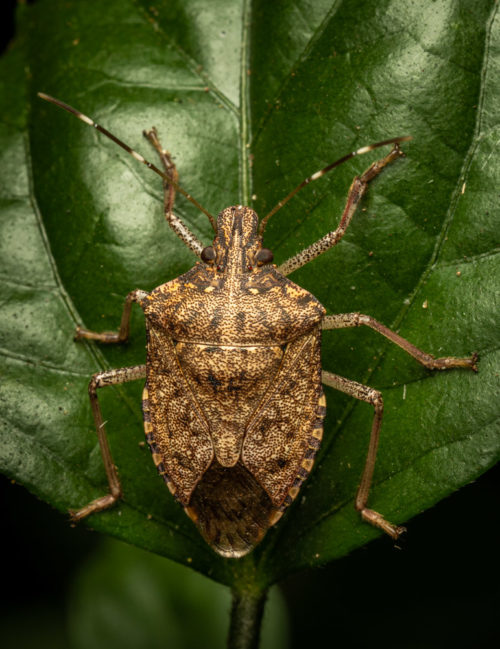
(233, 403)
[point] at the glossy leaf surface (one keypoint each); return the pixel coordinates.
(250, 98)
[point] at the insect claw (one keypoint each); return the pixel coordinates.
(77, 335)
(399, 530)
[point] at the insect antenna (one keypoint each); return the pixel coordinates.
(128, 149)
(322, 172)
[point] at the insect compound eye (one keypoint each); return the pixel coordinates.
(264, 256)
(208, 254)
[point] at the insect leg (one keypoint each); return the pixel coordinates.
(181, 230)
(100, 380)
(137, 156)
(369, 395)
(344, 320)
(356, 193)
(122, 334)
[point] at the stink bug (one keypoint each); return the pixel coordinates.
(233, 403)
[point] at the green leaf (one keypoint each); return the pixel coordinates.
(250, 98)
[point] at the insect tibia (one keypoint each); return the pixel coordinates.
(396, 141)
(128, 149)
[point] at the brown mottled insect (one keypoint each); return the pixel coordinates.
(233, 403)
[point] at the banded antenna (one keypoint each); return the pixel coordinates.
(134, 154)
(365, 149)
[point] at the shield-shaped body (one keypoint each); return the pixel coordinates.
(233, 404)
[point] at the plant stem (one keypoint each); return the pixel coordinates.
(246, 618)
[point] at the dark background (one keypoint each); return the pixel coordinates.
(7, 8)
(440, 590)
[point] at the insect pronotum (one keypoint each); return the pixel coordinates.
(233, 402)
